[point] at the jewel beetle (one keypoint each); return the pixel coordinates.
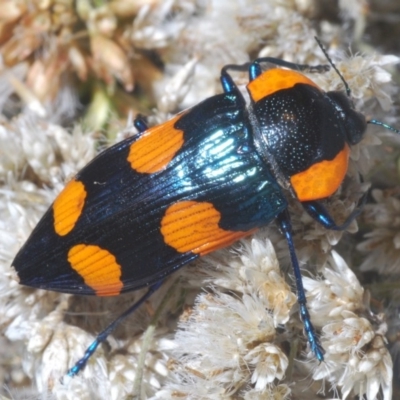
(209, 176)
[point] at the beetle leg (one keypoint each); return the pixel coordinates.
(102, 336)
(320, 214)
(255, 70)
(286, 226)
(227, 82)
(140, 124)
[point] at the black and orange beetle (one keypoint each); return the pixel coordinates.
(208, 177)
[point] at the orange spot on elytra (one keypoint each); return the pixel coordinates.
(275, 79)
(321, 179)
(68, 206)
(193, 226)
(98, 268)
(156, 148)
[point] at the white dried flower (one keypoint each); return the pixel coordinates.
(229, 346)
(254, 271)
(339, 291)
(269, 363)
(357, 359)
(213, 346)
(279, 392)
(153, 29)
(382, 244)
(353, 348)
(12, 158)
(367, 77)
(294, 38)
(175, 90)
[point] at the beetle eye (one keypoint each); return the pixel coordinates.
(356, 124)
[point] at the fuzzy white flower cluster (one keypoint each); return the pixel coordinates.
(242, 338)
(382, 245)
(31, 148)
(357, 359)
(233, 341)
(230, 343)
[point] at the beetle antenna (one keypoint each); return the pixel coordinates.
(386, 126)
(348, 90)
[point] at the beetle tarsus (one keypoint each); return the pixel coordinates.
(102, 336)
(320, 214)
(140, 124)
(284, 222)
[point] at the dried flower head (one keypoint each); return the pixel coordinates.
(61, 44)
(382, 244)
(356, 358)
(235, 341)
